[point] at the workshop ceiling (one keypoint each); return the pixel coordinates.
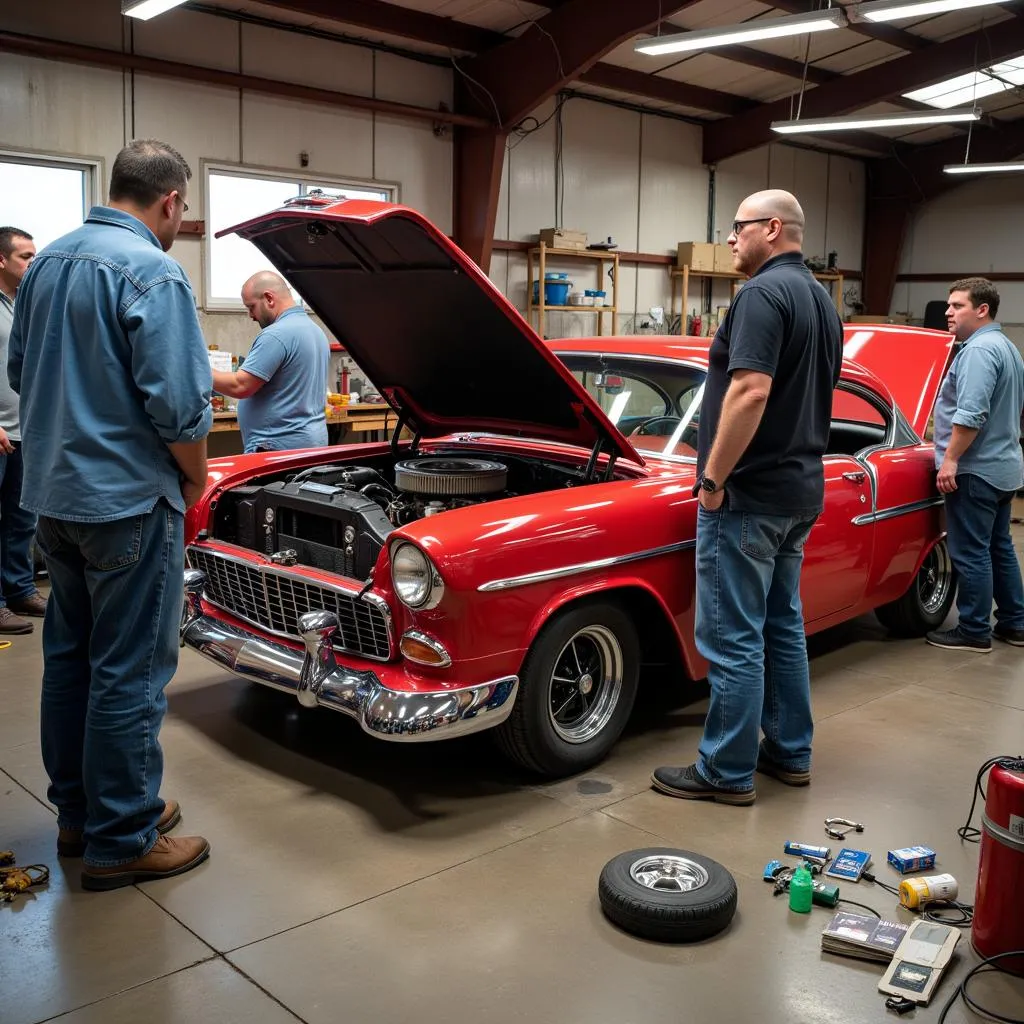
(736, 90)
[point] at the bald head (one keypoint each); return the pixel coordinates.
(266, 296)
(770, 222)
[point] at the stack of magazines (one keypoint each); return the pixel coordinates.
(860, 935)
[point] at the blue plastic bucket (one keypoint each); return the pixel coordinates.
(556, 292)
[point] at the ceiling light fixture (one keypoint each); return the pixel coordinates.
(146, 9)
(761, 28)
(983, 168)
(854, 122)
(892, 10)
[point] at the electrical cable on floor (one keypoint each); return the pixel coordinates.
(863, 906)
(966, 832)
(987, 966)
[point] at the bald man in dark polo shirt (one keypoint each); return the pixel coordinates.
(764, 424)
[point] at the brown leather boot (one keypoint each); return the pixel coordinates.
(71, 841)
(34, 605)
(13, 625)
(169, 856)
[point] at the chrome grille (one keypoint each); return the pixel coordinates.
(273, 600)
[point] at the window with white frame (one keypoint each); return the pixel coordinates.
(235, 195)
(45, 196)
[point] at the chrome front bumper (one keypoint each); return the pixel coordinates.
(317, 680)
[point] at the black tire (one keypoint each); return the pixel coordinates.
(929, 598)
(668, 914)
(553, 746)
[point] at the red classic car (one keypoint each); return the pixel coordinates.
(523, 546)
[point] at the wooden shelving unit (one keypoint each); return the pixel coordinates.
(541, 253)
(833, 281)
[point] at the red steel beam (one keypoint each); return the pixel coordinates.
(49, 49)
(479, 157)
(723, 139)
(883, 33)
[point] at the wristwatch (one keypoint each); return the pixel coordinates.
(705, 484)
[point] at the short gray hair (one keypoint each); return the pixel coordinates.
(147, 169)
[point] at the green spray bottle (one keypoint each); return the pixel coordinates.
(801, 890)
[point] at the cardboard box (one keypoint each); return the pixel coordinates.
(696, 255)
(563, 238)
(868, 318)
(723, 260)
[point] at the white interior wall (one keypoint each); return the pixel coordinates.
(975, 228)
(66, 109)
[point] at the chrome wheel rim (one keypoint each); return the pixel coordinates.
(584, 689)
(668, 873)
(935, 579)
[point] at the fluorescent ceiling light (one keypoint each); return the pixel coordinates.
(891, 10)
(973, 85)
(837, 124)
(762, 28)
(982, 168)
(146, 9)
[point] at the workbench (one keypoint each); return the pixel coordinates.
(346, 424)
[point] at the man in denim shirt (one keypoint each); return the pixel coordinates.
(978, 455)
(114, 378)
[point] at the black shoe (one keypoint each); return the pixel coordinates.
(1014, 637)
(955, 640)
(687, 783)
(790, 776)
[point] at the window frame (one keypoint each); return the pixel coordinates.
(93, 170)
(302, 177)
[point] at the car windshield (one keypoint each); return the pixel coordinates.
(654, 402)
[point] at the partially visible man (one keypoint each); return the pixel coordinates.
(283, 384)
(764, 425)
(18, 594)
(114, 379)
(978, 455)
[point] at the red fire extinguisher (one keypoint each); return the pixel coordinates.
(998, 925)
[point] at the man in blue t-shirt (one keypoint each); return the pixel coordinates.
(283, 385)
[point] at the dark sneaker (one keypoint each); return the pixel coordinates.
(790, 776)
(687, 783)
(167, 858)
(1014, 637)
(13, 625)
(954, 640)
(71, 841)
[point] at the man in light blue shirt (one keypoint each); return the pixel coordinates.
(114, 379)
(283, 383)
(978, 455)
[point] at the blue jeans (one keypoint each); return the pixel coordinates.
(750, 628)
(16, 529)
(110, 646)
(978, 536)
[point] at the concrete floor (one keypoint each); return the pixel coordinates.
(362, 881)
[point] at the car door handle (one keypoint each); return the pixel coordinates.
(856, 476)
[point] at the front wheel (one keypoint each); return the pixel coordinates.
(576, 691)
(927, 602)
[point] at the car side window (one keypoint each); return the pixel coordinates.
(857, 423)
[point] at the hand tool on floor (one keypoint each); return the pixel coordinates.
(833, 831)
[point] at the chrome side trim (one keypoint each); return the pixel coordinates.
(581, 567)
(413, 716)
(897, 510)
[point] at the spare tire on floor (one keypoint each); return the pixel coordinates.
(669, 895)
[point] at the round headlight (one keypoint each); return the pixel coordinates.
(415, 579)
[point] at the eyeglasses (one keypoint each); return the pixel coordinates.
(739, 225)
(184, 205)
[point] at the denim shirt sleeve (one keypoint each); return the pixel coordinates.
(976, 375)
(15, 354)
(170, 365)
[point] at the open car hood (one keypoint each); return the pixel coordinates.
(445, 348)
(911, 362)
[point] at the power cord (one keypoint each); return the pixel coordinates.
(987, 966)
(863, 906)
(934, 910)
(1014, 764)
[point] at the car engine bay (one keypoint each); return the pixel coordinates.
(337, 517)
